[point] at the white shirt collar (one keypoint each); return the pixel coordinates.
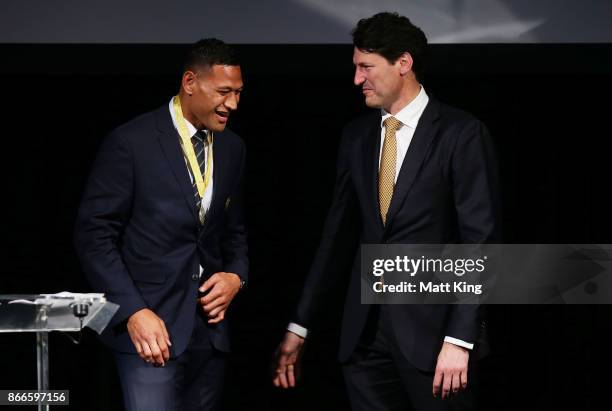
(190, 127)
(410, 114)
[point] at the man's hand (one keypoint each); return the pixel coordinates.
(451, 370)
(149, 335)
(223, 288)
(287, 360)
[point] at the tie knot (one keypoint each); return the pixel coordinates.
(200, 136)
(392, 124)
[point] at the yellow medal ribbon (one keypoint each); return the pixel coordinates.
(201, 182)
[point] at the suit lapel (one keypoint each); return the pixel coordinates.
(419, 146)
(371, 152)
(169, 140)
(221, 161)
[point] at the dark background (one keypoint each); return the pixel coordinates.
(548, 110)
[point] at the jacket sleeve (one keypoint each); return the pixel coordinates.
(477, 203)
(338, 242)
(102, 217)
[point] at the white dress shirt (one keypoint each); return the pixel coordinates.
(192, 130)
(206, 200)
(409, 117)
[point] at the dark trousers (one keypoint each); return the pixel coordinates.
(191, 381)
(378, 377)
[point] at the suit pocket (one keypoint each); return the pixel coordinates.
(148, 273)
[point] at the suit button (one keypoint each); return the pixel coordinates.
(195, 277)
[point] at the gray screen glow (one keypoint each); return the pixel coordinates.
(299, 21)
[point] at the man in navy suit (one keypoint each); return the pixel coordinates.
(414, 171)
(161, 232)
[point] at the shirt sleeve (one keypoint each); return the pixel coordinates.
(459, 342)
(297, 329)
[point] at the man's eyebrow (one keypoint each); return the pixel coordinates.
(228, 88)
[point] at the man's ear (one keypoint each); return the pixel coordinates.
(405, 63)
(188, 82)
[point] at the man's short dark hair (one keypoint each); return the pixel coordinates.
(208, 52)
(391, 35)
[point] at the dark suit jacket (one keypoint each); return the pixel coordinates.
(446, 193)
(137, 234)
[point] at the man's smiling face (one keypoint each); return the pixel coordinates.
(215, 93)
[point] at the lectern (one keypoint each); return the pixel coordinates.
(43, 313)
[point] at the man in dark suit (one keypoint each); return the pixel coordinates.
(161, 232)
(414, 171)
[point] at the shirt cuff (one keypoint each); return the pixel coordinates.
(297, 329)
(459, 342)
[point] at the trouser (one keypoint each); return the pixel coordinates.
(191, 381)
(378, 377)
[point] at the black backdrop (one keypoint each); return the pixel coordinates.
(546, 106)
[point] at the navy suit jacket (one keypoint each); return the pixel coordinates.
(137, 234)
(446, 193)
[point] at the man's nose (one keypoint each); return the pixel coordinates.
(232, 101)
(359, 78)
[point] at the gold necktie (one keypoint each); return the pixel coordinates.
(386, 175)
